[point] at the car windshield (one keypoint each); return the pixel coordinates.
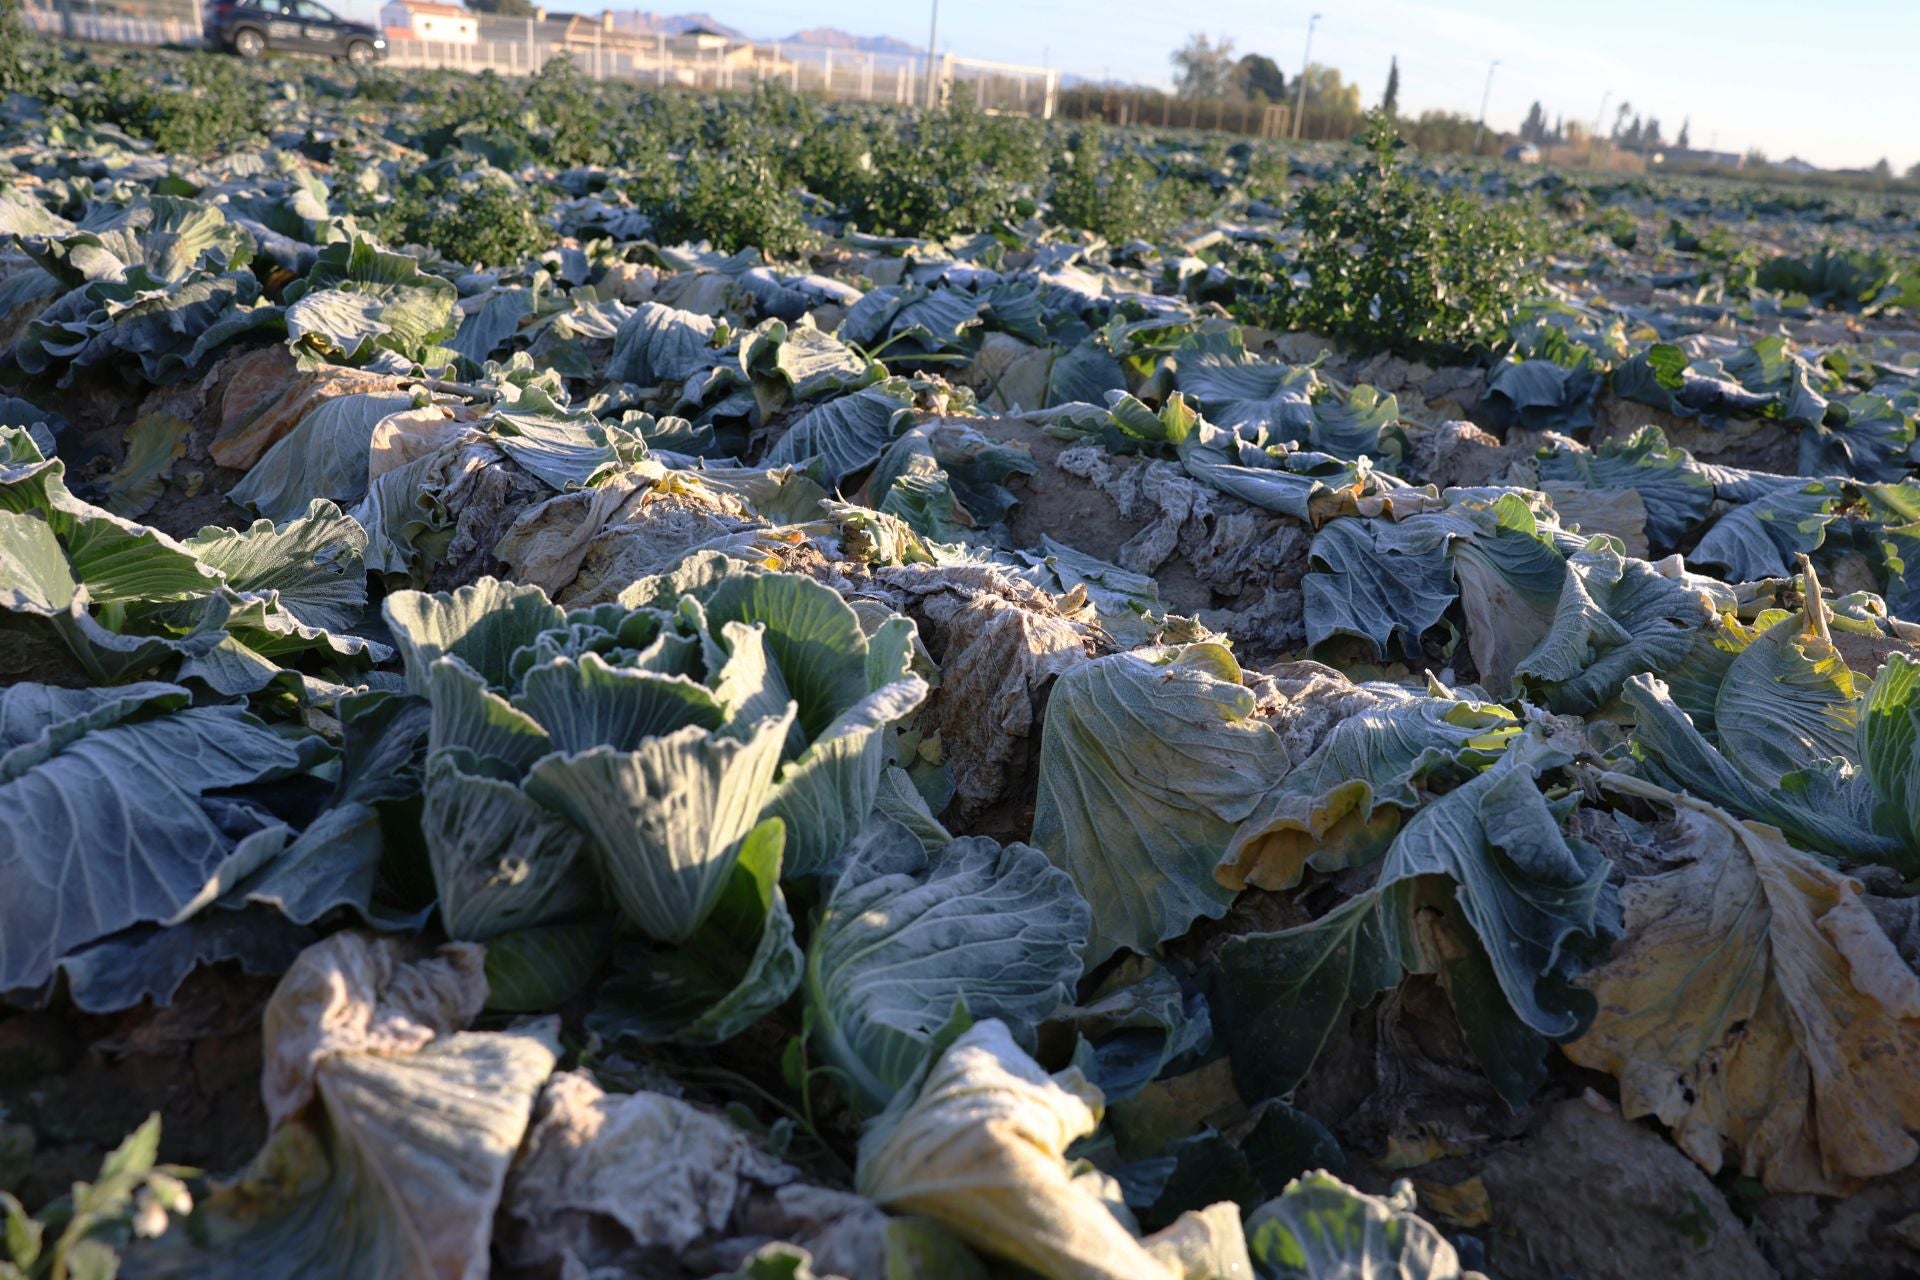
(308, 11)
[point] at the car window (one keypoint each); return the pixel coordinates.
(308, 11)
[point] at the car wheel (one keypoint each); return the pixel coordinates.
(359, 53)
(249, 43)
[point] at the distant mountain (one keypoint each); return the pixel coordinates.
(672, 24)
(834, 38)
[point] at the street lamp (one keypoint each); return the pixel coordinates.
(933, 39)
(1484, 95)
(1300, 90)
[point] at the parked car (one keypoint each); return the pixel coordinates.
(1523, 153)
(251, 27)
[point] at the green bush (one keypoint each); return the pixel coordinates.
(1392, 264)
(477, 219)
(16, 70)
(946, 172)
(1117, 196)
(211, 108)
(735, 198)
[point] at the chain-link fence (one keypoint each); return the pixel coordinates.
(117, 23)
(605, 52)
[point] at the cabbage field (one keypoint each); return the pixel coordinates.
(602, 682)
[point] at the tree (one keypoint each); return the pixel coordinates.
(1882, 170)
(1534, 127)
(1650, 135)
(1682, 141)
(1259, 79)
(1913, 172)
(1620, 121)
(1204, 68)
(503, 8)
(1390, 100)
(1326, 91)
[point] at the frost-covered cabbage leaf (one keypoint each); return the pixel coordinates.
(659, 344)
(1149, 761)
(359, 300)
(848, 683)
(1676, 491)
(647, 740)
(162, 281)
(636, 1183)
(1795, 742)
(228, 608)
(1539, 394)
(1563, 618)
(979, 1146)
(1616, 617)
(1321, 1227)
(109, 815)
(911, 938)
(1135, 1023)
(392, 1126)
(1756, 382)
(324, 456)
(1378, 580)
(741, 964)
(965, 467)
(843, 436)
(1343, 804)
(1236, 389)
(1480, 889)
(1760, 537)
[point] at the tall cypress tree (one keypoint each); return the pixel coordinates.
(1390, 100)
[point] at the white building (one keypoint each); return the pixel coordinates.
(426, 20)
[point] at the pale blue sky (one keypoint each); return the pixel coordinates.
(1835, 84)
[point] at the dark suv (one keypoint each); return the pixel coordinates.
(251, 27)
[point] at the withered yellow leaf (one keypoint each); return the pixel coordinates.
(1755, 1004)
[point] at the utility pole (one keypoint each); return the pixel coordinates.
(933, 40)
(1484, 95)
(1593, 139)
(1300, 90)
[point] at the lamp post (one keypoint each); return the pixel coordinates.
(1484, 95)
(1300, 90)
(933, 40)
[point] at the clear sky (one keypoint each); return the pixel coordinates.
(1834, 83)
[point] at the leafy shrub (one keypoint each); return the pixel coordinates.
(734, 198)
(214, 110)
(575, 121)
(1392, 264)
(951, 171)
(474, 219)
(833, 161)
(483, 107)
(16, 67)
(1116, 197)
